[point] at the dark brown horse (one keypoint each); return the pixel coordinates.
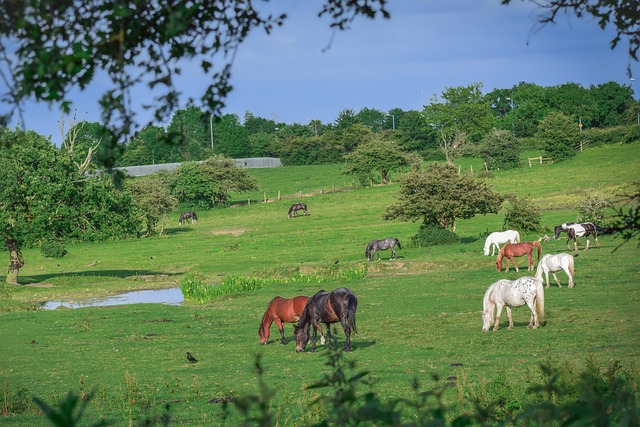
(298, 207)
(511, 250)
(325, 307)
(185, 217)
(281, 311)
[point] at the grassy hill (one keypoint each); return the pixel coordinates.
(418, 315)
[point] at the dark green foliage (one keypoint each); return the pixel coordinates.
(69, 412)
(52, 249)
(521, 215)
(632, 134)
(377, 156)
(560, 135)
(440, 195)
(500, 150)
(432, 234)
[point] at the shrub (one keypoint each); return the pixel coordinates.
(522, 215)
(592, 208)
(631, 135)
(432, 234)
(500, 150)
(52, 249)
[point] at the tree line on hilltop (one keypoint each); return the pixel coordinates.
(459, 116)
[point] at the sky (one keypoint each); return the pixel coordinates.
(304, 71)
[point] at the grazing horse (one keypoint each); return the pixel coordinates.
(325, 307)
(574, 231)
(375, 246)
(511, 250)
(298, 207)
(280, 311)
(494, 239)
(191, 215)
(553, 263)
(513, 293)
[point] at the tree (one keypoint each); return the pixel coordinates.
(47, 58)
(381, 155)
(464, 108)
(372, 118)
(451, 143)
(228, 177)
(153, 200)
(500, 150)
(190, 130)
(559, 135)
(440, 195)
(44, 197)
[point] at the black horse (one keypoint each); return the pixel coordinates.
(375, 246)
(574, 231)
(188, 216)
(298, 207)
(325, 307)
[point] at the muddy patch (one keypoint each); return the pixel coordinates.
(232, 231)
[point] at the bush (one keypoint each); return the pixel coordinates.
(432, 234)
(631, 135)
(52, 249)
(592, 208)
(522, 216)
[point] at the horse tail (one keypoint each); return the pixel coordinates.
(517, 237)
(397, 243)
(538, 246)
(540, 300)
(351, 312)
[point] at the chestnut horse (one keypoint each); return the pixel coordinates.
(281, 310)
(511, 250)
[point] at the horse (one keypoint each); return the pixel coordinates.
(325, 307)
(281, 310)
(513, 293)
(553, 263)
(494, 239)
(574, 231)
(511, 250)
(298, 207)
(375, 246)
(191, 215)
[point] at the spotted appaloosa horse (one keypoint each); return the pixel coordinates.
(513, 293)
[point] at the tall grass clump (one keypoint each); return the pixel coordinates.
(195, 288)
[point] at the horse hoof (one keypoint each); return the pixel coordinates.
(299, 350)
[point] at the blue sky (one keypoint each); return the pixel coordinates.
(403, 62)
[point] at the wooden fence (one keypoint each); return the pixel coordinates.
(541, 160)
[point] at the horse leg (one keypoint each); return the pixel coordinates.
(347, 334)
(328, 325)
(314, 337)
(530, 261)
(498, 313)
(586, 248)
(557, 281)
(533, 323)
(280, 326)
(319, 327)
(393, 253)
(510, 317)
(546, 273)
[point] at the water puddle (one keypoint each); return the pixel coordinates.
(172, 296)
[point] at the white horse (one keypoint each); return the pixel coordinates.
(553, 263)
(494, 240)
(513, 293)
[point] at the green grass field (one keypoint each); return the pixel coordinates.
(418, 315)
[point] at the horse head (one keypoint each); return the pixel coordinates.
(487, 320)
(302, 337)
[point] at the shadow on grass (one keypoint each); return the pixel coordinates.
(122, 274)
(178, 230)
(468, 240)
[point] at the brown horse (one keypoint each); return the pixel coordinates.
(280, 311)
(511, 250)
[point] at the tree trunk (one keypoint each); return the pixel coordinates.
(16, 262)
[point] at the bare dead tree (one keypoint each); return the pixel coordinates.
(451, 143)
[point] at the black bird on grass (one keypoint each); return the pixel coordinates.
(190, 358)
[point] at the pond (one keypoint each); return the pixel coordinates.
(172, 296)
